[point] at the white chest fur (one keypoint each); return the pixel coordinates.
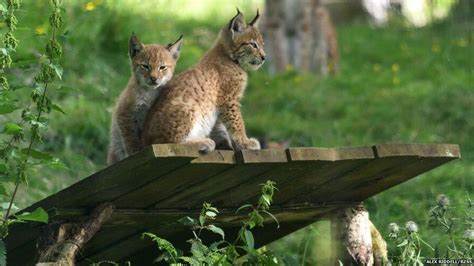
(203, 125)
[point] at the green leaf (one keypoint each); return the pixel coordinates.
(249, 240)
(12, 129)
(273, 217)
(58, 70)
(5, 205)
(6, 108)
(202, 219)
(57, 108)
(404, 243)
(211, 214)
(3, 253)
(216, 230)
(198, 250)
(37, 154)
(243, 207)
(38, 215)
(188, 221)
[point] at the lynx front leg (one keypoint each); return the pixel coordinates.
(221, 137)
(231, 116)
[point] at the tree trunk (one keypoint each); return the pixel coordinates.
(60, 243)
(351, 237)
(300, 35)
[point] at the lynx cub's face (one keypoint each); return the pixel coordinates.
(153, 65)
(246, 42)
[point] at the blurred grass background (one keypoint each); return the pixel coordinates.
(397, 84)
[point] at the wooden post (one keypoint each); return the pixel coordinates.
(60, 243)
(351, 237)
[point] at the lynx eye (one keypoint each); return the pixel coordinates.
(146, 67)
(254, 45)
(163, 67)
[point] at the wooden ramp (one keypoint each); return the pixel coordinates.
(154, 188)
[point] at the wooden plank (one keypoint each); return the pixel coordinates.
(374, 186)
(169, 184)
(122, 177)
(117, 179)
(306, 183)
(422, 150)
(390, 158)
(306, 154)
(207, 189)
(323, 164)
(24, 255)
(178, 233)
(337, 182)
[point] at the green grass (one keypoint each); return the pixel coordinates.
(397, 84)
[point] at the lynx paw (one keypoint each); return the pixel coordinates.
(248, 144)
(206, 145)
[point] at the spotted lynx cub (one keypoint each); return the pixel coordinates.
(152, 67)
(208, 95)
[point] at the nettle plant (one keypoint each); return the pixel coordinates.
(240, 250)
(24, 122)
(457, 223)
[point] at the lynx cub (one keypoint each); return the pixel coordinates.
(208, 95)
(152, 67)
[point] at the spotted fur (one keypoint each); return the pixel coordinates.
(208, 95)
(152, 67)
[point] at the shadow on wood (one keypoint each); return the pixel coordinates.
(152, 189)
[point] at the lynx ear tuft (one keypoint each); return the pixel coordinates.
(255, 19)
(175, 47)
(237, 23)
(134, 46)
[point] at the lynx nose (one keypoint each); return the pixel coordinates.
(263, 58)
(154, 79)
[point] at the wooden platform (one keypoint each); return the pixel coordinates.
(154, 188)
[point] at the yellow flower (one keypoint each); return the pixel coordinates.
(376, 68)
(435, 48)
(395, 68)
(40, 30)
(89, 6)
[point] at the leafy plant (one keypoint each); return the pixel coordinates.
(18, 156)
(460, 232)
(242, 250)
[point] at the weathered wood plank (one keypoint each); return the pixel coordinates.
(306, 154)
(422, 150)
(206, 190)
(338, 181)
(322, 164)
(176, 176)
(178, 233)
(374, 186)
(390, 158)
(167, 185)
(122, 177)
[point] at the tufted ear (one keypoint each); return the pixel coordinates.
(237, 24)
(134, 46)
(255, 19)
(175, 47)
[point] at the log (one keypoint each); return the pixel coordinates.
(351, 237)
(61, 242)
